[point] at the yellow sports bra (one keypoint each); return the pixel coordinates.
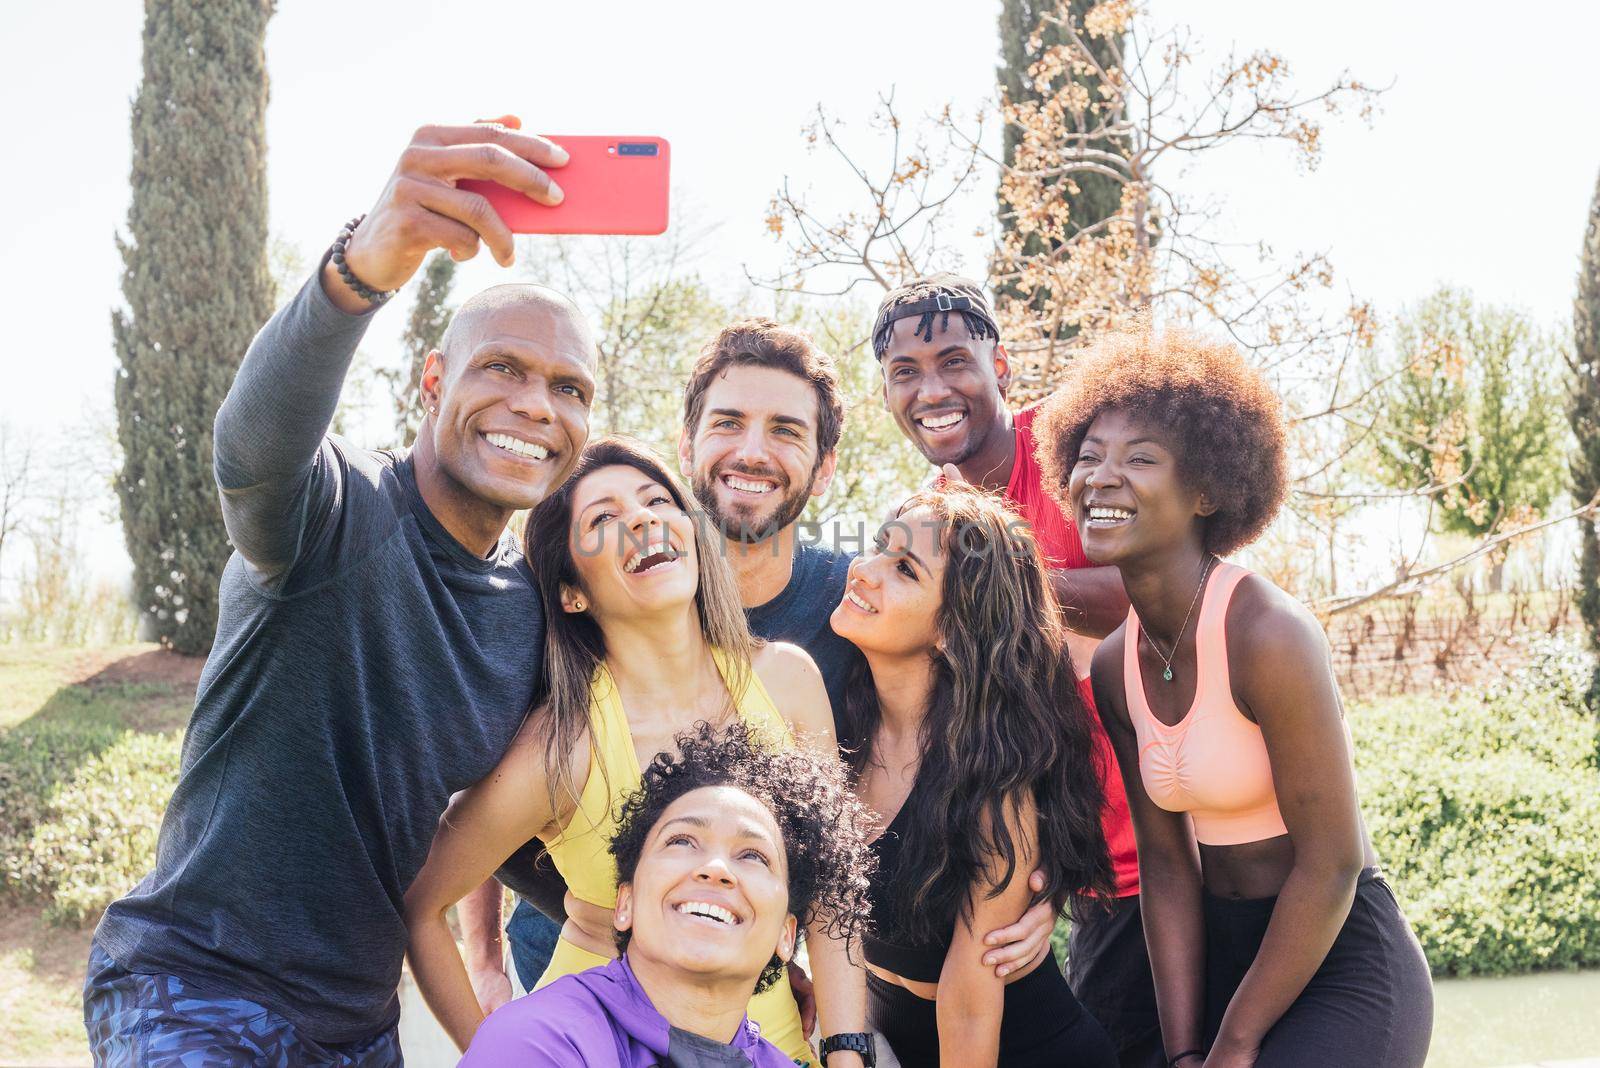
(580, 850)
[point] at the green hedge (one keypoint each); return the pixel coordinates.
(1485, 810)
(34, 759)
(92, 836)
(98, 837)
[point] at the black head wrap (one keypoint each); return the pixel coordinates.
(936, 295)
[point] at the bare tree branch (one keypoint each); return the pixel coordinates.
(1414, 580)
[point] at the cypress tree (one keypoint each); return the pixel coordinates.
(1098, 196)
(1583, 410)
(196, 288)
(430, 314)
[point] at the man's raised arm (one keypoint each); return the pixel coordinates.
(270, 427)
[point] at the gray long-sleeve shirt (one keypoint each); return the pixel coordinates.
(366, 666)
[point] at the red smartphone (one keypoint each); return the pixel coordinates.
(613, 185)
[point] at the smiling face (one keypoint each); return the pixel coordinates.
(509, 402)
(710, 894)
(947, 395)
(633, 546)
(752, 458)
(892, 599)
(1127, 494)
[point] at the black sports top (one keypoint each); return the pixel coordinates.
(919, 963)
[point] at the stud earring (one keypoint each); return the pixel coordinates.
(577, 606)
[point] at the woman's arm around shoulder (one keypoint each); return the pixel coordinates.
(484, 824)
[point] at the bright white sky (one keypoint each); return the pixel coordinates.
(1478, 172)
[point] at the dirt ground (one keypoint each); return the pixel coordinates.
(41, 979)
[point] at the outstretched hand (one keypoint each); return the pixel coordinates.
(420, 209)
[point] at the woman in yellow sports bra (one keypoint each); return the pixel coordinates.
(644, 636)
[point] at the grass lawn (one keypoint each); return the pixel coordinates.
(50, 693)
(41, 984)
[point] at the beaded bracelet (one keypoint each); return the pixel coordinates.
(375, 297)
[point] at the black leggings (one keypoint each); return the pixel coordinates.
(1043, 1026)
(1369, 1004)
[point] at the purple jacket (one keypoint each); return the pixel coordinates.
(602, 1018)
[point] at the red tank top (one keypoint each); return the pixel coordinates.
(1062, 549)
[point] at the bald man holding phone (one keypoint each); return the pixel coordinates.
(379, 641)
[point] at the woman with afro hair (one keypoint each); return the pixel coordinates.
(728, 847)
(1274, 940)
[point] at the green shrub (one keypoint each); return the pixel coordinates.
(33, 760)
(1485, 810)
(44, 751)
(96, 836)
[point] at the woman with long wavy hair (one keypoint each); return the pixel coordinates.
(645, 637)
(977, 758)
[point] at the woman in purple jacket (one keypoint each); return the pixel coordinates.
(724, 852)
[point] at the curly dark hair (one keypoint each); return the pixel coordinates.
(1222, 420)
(824, 826)
(1005, 721)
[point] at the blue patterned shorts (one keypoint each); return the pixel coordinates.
(160, 1021)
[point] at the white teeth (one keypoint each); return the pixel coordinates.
(747, 485)
(518, 446)
(850, 595)
(1109, 514)
(939, 422)
(631, 564)
(702, 908)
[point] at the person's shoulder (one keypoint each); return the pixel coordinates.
(784, 664)
(373, 464)
(1261, 609)
(794, 683)
(819, 577)
(1108, 653)
(1268, 628)
(550, 1022)
(1105, 667)
(1022, 419)
(365, 478)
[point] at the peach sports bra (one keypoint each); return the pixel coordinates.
(1213, 762)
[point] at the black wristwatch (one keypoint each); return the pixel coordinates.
(853, 1042)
